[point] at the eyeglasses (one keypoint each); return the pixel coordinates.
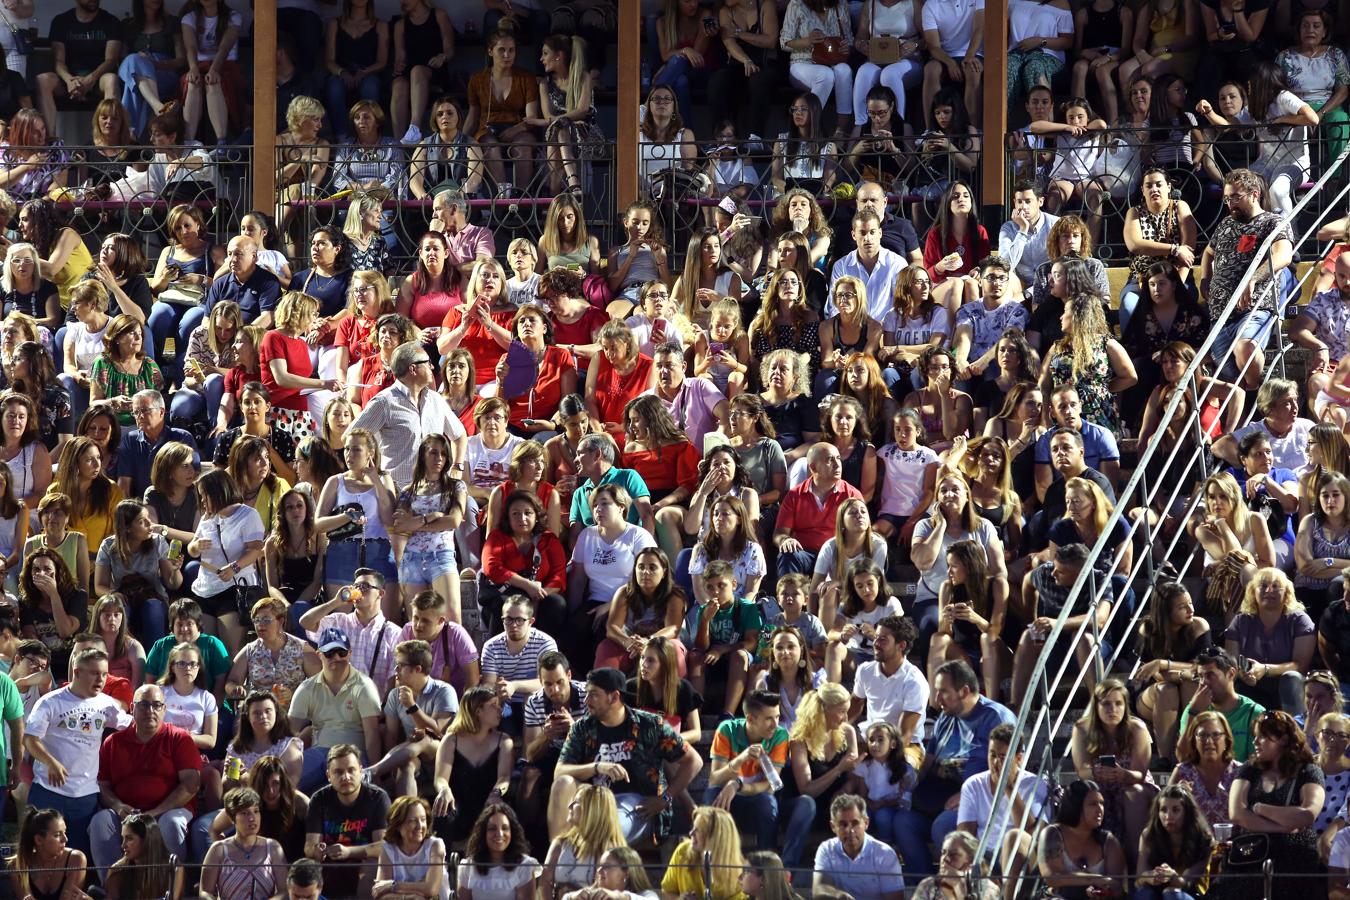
(150, 705)
(661, 101)
(799, 109)
(35, 663)
(1210, 737)
(364, 586)
(336, 653)
(514, 620)
(421, 362)
(187, 664)
(261, 621)
(995, 278)
(1327, 734)
(137, 413)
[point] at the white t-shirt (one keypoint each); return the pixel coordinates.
(487, 467)
(1288, 452)
(608, 566)
(906, 332)
(207, 43)
(890, 698)
(828, 558)
(860, 643)
(72, 731)
(241, 527)
(189, 712)
(1028, 19)
(88, 344)
(977, 803)
(1282, 145)
(954, 21)
(902, 475)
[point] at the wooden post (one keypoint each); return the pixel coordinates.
(993, 169)
(264, 106)
(630, 95)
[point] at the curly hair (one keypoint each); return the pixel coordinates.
(477, 852)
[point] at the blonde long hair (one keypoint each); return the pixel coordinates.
(1239, 518)
(810, 729)
(722, 839)
(598, 829)
(1102, 507)
(1081, 341)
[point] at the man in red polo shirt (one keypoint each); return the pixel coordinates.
(806, 516)
(151, 768)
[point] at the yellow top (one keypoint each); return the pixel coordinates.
(684, 875)
(77, 264)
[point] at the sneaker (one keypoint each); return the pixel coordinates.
(412, 135)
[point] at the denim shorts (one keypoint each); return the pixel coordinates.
(1255, 326)
(345, 557)
(425, 566)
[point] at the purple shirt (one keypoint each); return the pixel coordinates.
(470, 242)
(693, 408)
(451, 648)
(1274, 647)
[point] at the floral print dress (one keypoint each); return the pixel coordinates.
(1094, 385)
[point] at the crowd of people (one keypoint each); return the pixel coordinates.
(584, 564)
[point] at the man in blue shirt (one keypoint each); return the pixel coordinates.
(256, 290)
(1099, 445)
(136, 452)
(595, 463)
(872, 264)
(853, 861)
(956, 750)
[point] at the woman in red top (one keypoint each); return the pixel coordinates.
(374, 375)
(457, 388)
(521, 556)
(575, 321)
(482, 323)
(288, 367)
(955, 244)
(427, 295)
(533, 412)
(621, 373)
(525, 473)
(660, 451)
(368, 299)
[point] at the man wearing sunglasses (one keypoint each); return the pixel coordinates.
(337, 706)
(152, 768)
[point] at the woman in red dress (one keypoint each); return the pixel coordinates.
(428, 293)
(482, 323)
(533, 413)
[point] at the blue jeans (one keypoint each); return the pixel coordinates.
(1130, 295)
(636, 827)
(913, 832)
(679, 75)
(801, 561)
(133, 69)
(188, 319)
(77, 811)
(190, 405)
(79, 397)
(338, 98)
(152, 619)
(425, 566)
(164, 318)
(763, 813)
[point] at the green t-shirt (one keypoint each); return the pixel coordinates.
(11, 708)
(214, 656)
(1240, 720)
(729, 626)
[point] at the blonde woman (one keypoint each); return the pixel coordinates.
(1234, 540)
(850, 330)
(1086, 511)
(482, 323)
(369, 250)
(714, 832)
(1276, 666)
(824, 748)
(592, 829)
(1091, 360)
(303, 155)
(356, 508)
(1327, 452)
(474, 761)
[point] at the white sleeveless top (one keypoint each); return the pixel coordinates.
(374, 528)
(896, 21)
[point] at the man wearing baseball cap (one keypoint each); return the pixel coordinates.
(337, 706)
(626, 750)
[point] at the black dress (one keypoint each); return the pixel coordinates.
(1294, 855)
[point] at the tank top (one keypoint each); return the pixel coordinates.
(421, 41)
(374, 528)
(414, 868)
(78, 263)
(245, 875)
(21, 473)
(644, 266)
(1102, 28)
(573, 871)
(39, 894)
(296, 574)
(360, 52)
(846, 347)
(578, 257)
(191, 265)
(896, 21)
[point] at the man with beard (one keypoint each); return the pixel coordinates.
(696, 404)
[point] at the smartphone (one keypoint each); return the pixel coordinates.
(1108, 761)
(709, 24)
(660, 324)
(716, 347)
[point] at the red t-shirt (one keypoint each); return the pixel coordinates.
(295, 351)
(582, 331)
(357, 334)
(142, 775)
(973, 249)
(479, 341)
(236, 378)
(666, 468)
(542, 401)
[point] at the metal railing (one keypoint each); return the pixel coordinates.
(1038, 722)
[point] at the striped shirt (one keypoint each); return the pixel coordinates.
(372, 651)
(498, 660)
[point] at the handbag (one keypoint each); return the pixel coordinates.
(832, 50)
(882, 49)
(1248, 851)
(245, 594)
(22, 45)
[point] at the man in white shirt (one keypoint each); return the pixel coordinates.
(1024, 797)
(892, 689)
(853, 861)
(1022, 239)
(872, 264)
(409, 410)
(953, 31)
(64, 734)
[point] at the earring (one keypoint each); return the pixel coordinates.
(801, 664)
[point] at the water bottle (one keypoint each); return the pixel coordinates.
(771, 773)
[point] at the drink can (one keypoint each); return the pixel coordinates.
(175, 549)
(234, 768)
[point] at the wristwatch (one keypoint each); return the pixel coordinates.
(411, 710)
(1043, 43)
